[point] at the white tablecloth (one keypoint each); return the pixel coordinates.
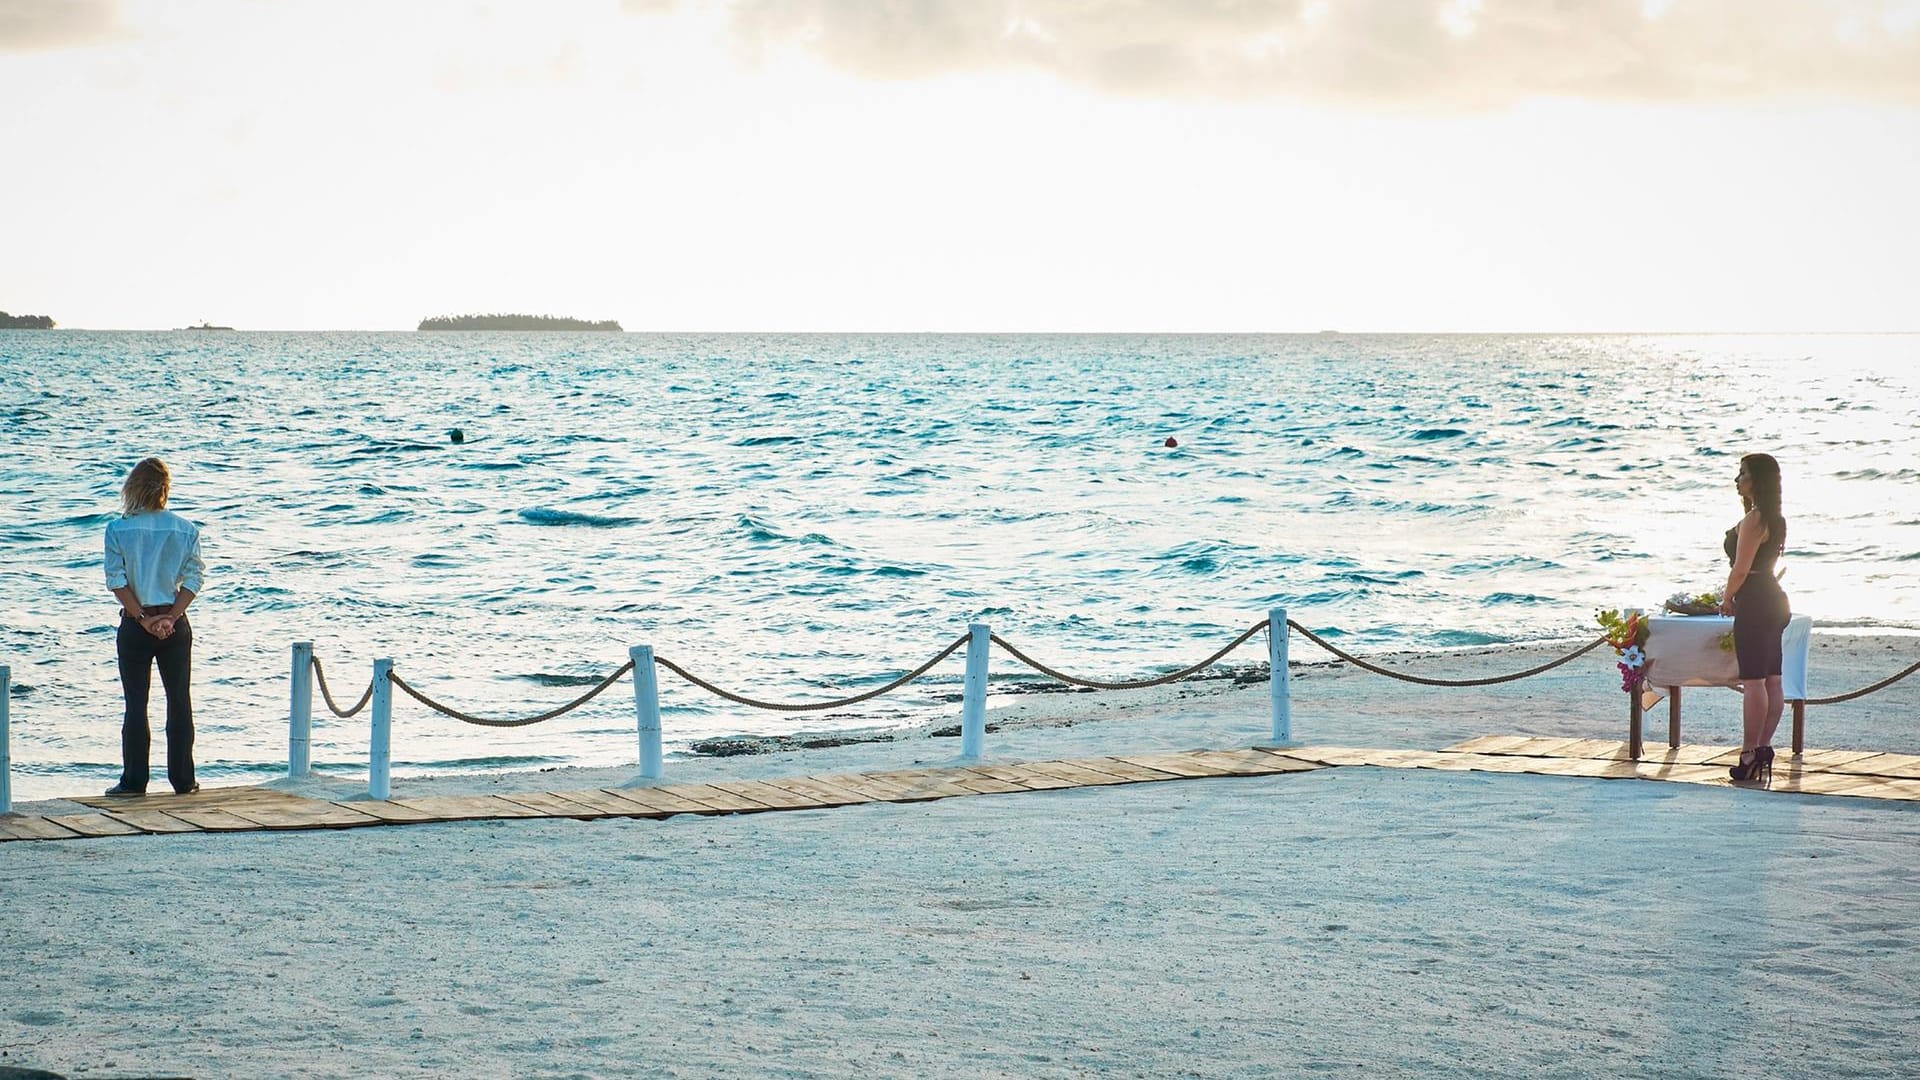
(1685, 651)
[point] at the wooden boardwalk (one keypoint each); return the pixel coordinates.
(1858, 773)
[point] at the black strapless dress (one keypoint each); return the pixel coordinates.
(1760, 609)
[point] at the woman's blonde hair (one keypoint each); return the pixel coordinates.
(146, 487)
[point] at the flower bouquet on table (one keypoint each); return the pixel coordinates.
(1627, 633)
(1684, 603)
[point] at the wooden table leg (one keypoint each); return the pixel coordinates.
(1673, 716)
(1799, 726)
(1633, 724)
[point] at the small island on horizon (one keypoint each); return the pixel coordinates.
(514, 322)
(25, 322)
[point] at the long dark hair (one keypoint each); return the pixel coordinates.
(1763, 480)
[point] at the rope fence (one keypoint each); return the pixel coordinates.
(1427, 681)
(320, 676)
(977, 642)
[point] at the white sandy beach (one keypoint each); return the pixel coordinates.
(1405, 922)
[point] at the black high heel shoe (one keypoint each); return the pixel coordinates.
(1755, 765)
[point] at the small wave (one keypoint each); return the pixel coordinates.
(1450, 639)
(1428, 434)
(395, 448)
(767, 440)
(545, 678)
(1902, 475)
(88, 521)
(541, 515)
(762, 533)
(1495, 599)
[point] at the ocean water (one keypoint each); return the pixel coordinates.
(804, 516)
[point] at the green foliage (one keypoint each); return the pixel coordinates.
(1622, 630)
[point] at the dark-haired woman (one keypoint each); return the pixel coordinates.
(154, 569)
(1759, 609)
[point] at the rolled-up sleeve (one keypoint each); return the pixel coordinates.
(193, 569)
(116, 564)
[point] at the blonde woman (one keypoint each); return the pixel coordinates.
(154, 570)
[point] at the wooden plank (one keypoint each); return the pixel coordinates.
(33, 827)
(309, 814)
(610, 805)
(1686, 753)
(165, 800)
(92, 824)
(862, 784)
(879, 791)
(553, 804)
(1902, 790)
(1076, 775)
(1115, 771)
(982, 784)
(1486, 744)
(1681, 773)
(718, 796)
(1900, 766)
(1018, 775)
(1294, 764)
(768, 795)
(1179, 764)
(1595, 748)
(467, 807)
(1826, 759)
(1243, 762)
(659, 800)
(1127, 769)
(386, 810)
(212, 820)
(153, 821)
(819, 791)
(936, 788)
(1824, 783)
(1453, 761)
(1034, 779)
(1544, 747)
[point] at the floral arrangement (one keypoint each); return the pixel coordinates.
(1628, 635)
(1684, 603)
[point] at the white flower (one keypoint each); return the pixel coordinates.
(1632, 656)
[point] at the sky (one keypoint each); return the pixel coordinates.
(965, 165)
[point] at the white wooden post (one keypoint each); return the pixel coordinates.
(646, 709)
(1278, 676)
(973, 698)
(380, 754)
(300, 712)
(6, 754)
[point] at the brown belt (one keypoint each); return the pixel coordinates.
(151, 609)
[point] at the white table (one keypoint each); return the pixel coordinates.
(1686, 650)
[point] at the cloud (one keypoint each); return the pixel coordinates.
(27, 25)
(1431, 53)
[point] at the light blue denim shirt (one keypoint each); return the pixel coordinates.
(157, 552)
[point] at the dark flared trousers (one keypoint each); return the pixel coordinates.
(140, 653)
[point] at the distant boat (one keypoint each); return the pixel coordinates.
(206, 326)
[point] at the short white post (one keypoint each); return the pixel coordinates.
(6, 754)
(973, 698)
(1278, 676)
(380, 754)
(300, 712)
(646, 709)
